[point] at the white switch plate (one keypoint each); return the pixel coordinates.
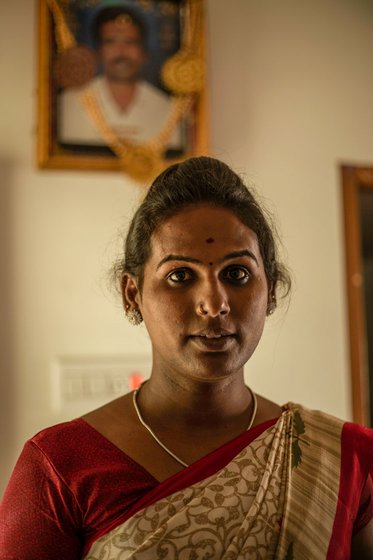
(90, 381)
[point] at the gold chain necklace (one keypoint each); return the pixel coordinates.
(161, 444)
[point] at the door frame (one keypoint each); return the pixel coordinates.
(354, 179)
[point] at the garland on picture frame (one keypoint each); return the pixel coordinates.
(183, 74)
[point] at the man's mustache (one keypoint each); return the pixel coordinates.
(121, 60)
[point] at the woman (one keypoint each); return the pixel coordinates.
(194, 464)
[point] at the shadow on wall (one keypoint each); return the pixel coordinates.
(7, 382)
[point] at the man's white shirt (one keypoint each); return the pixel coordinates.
(141, 121)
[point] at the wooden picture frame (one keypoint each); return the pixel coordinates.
(69, 67)
(356, 179)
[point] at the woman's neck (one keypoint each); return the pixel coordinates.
(203, 405)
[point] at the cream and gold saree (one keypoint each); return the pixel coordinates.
(278, 497)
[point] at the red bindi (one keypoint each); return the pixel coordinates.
(210, 240)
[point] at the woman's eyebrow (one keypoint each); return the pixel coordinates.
(229, 256)
(178, 258)
(243, 253)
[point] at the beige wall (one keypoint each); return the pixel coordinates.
(291, 98)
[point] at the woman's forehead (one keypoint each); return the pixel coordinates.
(202, 224)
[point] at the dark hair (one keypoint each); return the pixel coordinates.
(112, 13)
(199, 180)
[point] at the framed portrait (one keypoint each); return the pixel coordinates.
(121, 84)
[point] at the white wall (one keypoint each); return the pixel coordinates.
(291, 98)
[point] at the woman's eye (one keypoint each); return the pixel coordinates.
(181, 275)
(237, 274)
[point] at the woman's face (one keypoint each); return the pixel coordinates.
(204, 294)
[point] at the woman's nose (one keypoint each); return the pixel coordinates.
(213, 301)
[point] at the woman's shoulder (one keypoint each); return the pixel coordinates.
(66, 428)
(328, 416)
(358, 439)
(321, 416)
(64, 446)
(77, 432)
(69, 444)
(73, 434)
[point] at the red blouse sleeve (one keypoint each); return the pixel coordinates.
(357, 467)
(39, 516)
(365, 513)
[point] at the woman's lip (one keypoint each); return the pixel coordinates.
(213, 343)
(213, 333)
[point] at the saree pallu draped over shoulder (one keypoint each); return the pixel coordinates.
(277, 498)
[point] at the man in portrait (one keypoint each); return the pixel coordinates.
(134, 109)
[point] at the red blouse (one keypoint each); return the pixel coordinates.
(70, 483)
